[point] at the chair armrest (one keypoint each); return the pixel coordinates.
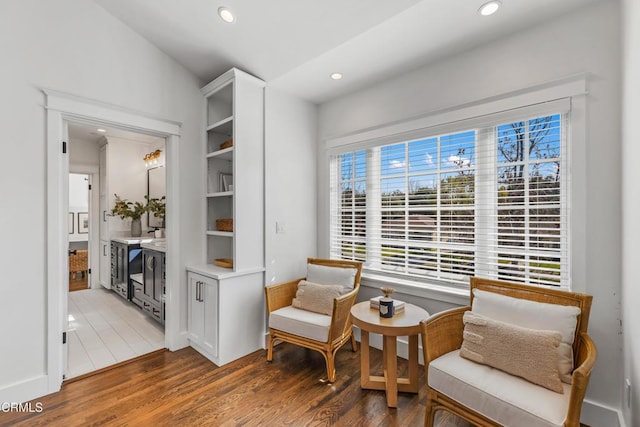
(585, 359)
(442, 333)
(281, 294)
(341, 317)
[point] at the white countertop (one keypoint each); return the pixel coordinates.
(160, 246)
(138, 240)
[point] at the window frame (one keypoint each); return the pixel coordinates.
(571, 90)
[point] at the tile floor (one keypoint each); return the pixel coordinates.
(105, 329)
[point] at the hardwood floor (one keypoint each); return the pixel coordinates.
(184, 388)
(80, 282)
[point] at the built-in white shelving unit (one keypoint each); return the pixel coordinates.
(226, 304)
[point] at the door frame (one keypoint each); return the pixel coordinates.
(93, 244)
(60, 108)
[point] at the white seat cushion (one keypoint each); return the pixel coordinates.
(503, 398)
(301, 322)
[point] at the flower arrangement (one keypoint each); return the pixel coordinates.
(126, 209)
(157, 206)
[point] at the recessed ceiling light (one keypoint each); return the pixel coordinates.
(102, 130)
(226, 14)
(489, 8)
(336, 76)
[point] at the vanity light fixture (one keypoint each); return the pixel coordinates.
(151, 159)
(336, 76)
(489, 8)
(226, 14)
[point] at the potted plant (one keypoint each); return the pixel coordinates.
(157, 206)
(134, 210)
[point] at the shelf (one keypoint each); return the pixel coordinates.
(220, 233)
(224, 126)
(222, 194)
(224, 154)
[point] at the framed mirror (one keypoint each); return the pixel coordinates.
(156, 189)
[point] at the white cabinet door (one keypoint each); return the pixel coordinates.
(104, 278)
(195, 324)
(210, 291)
(203, 313)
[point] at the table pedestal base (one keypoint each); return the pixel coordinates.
(390, 381)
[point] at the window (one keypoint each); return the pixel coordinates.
(487, 198)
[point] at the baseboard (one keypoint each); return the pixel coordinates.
(179, 342)
(593, 414)
(26, 390)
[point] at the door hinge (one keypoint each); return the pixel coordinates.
(64, 147)
(89, 186)
(64, 338)
(89, 271)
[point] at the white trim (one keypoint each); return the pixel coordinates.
(25, 391)
(80, 109)
(59, 108)
(571, 86)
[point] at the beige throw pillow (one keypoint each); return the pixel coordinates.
(533, 315)
(315, 297)
(527, 353)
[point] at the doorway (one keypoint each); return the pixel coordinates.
(60, 108)
(105, 325)
(78, 227)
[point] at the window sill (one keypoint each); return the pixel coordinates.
(431, 291)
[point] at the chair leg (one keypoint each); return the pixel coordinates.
(429, 416)
(329, 356)
(269, 348)
(354, 344)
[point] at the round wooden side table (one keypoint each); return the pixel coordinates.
(404, 323)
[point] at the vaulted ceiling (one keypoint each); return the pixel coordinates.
(295, 45)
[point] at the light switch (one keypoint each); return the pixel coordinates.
(280, 227)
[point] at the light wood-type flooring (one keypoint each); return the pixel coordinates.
(80, 282)
(104, 329)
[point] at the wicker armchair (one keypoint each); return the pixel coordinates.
(442, 336)
(337, 328)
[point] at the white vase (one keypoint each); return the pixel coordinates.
(136, 227)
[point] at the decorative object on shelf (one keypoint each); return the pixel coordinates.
(224, 262)
(228, 143)
(386, 303)
(226, 181)
(83, 222)
(157, 206)
(224, 224)
(126, 209)
(151, 159)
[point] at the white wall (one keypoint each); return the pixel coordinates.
(78, 202)
(631, 206)
(74, 47)
(290, 185)
(127, 177)
(586, 41)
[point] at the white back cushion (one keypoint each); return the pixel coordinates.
(326, 275)
(533, 315)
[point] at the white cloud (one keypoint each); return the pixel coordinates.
(397, 164)
(459, 161)
(428, 159)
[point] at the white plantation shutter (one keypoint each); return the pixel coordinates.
(485, 197)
